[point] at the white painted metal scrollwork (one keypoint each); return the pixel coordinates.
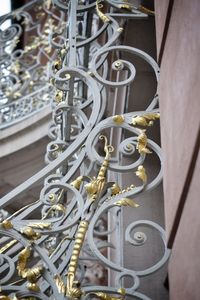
(47, 246)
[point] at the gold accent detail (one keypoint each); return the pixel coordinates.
(146, 10)
(7, 246)
(59, 96)
(118, 64)
(122, 291)
(118, 119)
(52, 196)
(22, 260)
(77, 182)
(60, 284)
(104, 296)
(141, 173)
(96, 186)
(3, 297)
(92, 188)
(142, 143)
(126, 202)
(40, 225)
(58, 64)
(145, 120)
(31, 274)
(74, 293)
(6, 224)
(102, 16)
(33, 287)
(58, 207)
(115, 189)
(30, 233)
(125, 6)
(79, 240)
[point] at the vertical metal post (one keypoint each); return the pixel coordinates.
(70, 60)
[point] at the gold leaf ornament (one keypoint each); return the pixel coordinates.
(92, 188)
(6, 224)
(59, 207)
(32, 274)
(74, 293)
(77, 182)
(40, 225)
(141, 173)
(115, 189)
(7, 246)
(145, 10)
(30, 233)
(118, 119)
(145, 120)
(56, 207)
(22, 260)
(71, 290)
(126, 202)
(125, 6)
(142, 143)
(102, 16)
(58, 96)
(33, 287)
(59, 283)
(104, 296)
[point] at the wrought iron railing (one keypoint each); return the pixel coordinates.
(25, 51)
(46, 245)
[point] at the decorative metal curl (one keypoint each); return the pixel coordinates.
(77, 192)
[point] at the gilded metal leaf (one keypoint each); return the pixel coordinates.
(102, 16)
(145, 120)
(7, 224)
(60, 284)
(59, 207)
(115, 189)
(4, 297)
(126, 202)
(104, 296)
(142, 144)
(141, 173)
(30, 233)
(40, 225)
(22, 260)
(7, 246)
(77, 182)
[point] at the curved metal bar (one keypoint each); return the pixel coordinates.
(63, 230)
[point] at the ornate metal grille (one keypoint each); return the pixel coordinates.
(46, 245)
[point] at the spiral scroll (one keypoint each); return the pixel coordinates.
(46, 245)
